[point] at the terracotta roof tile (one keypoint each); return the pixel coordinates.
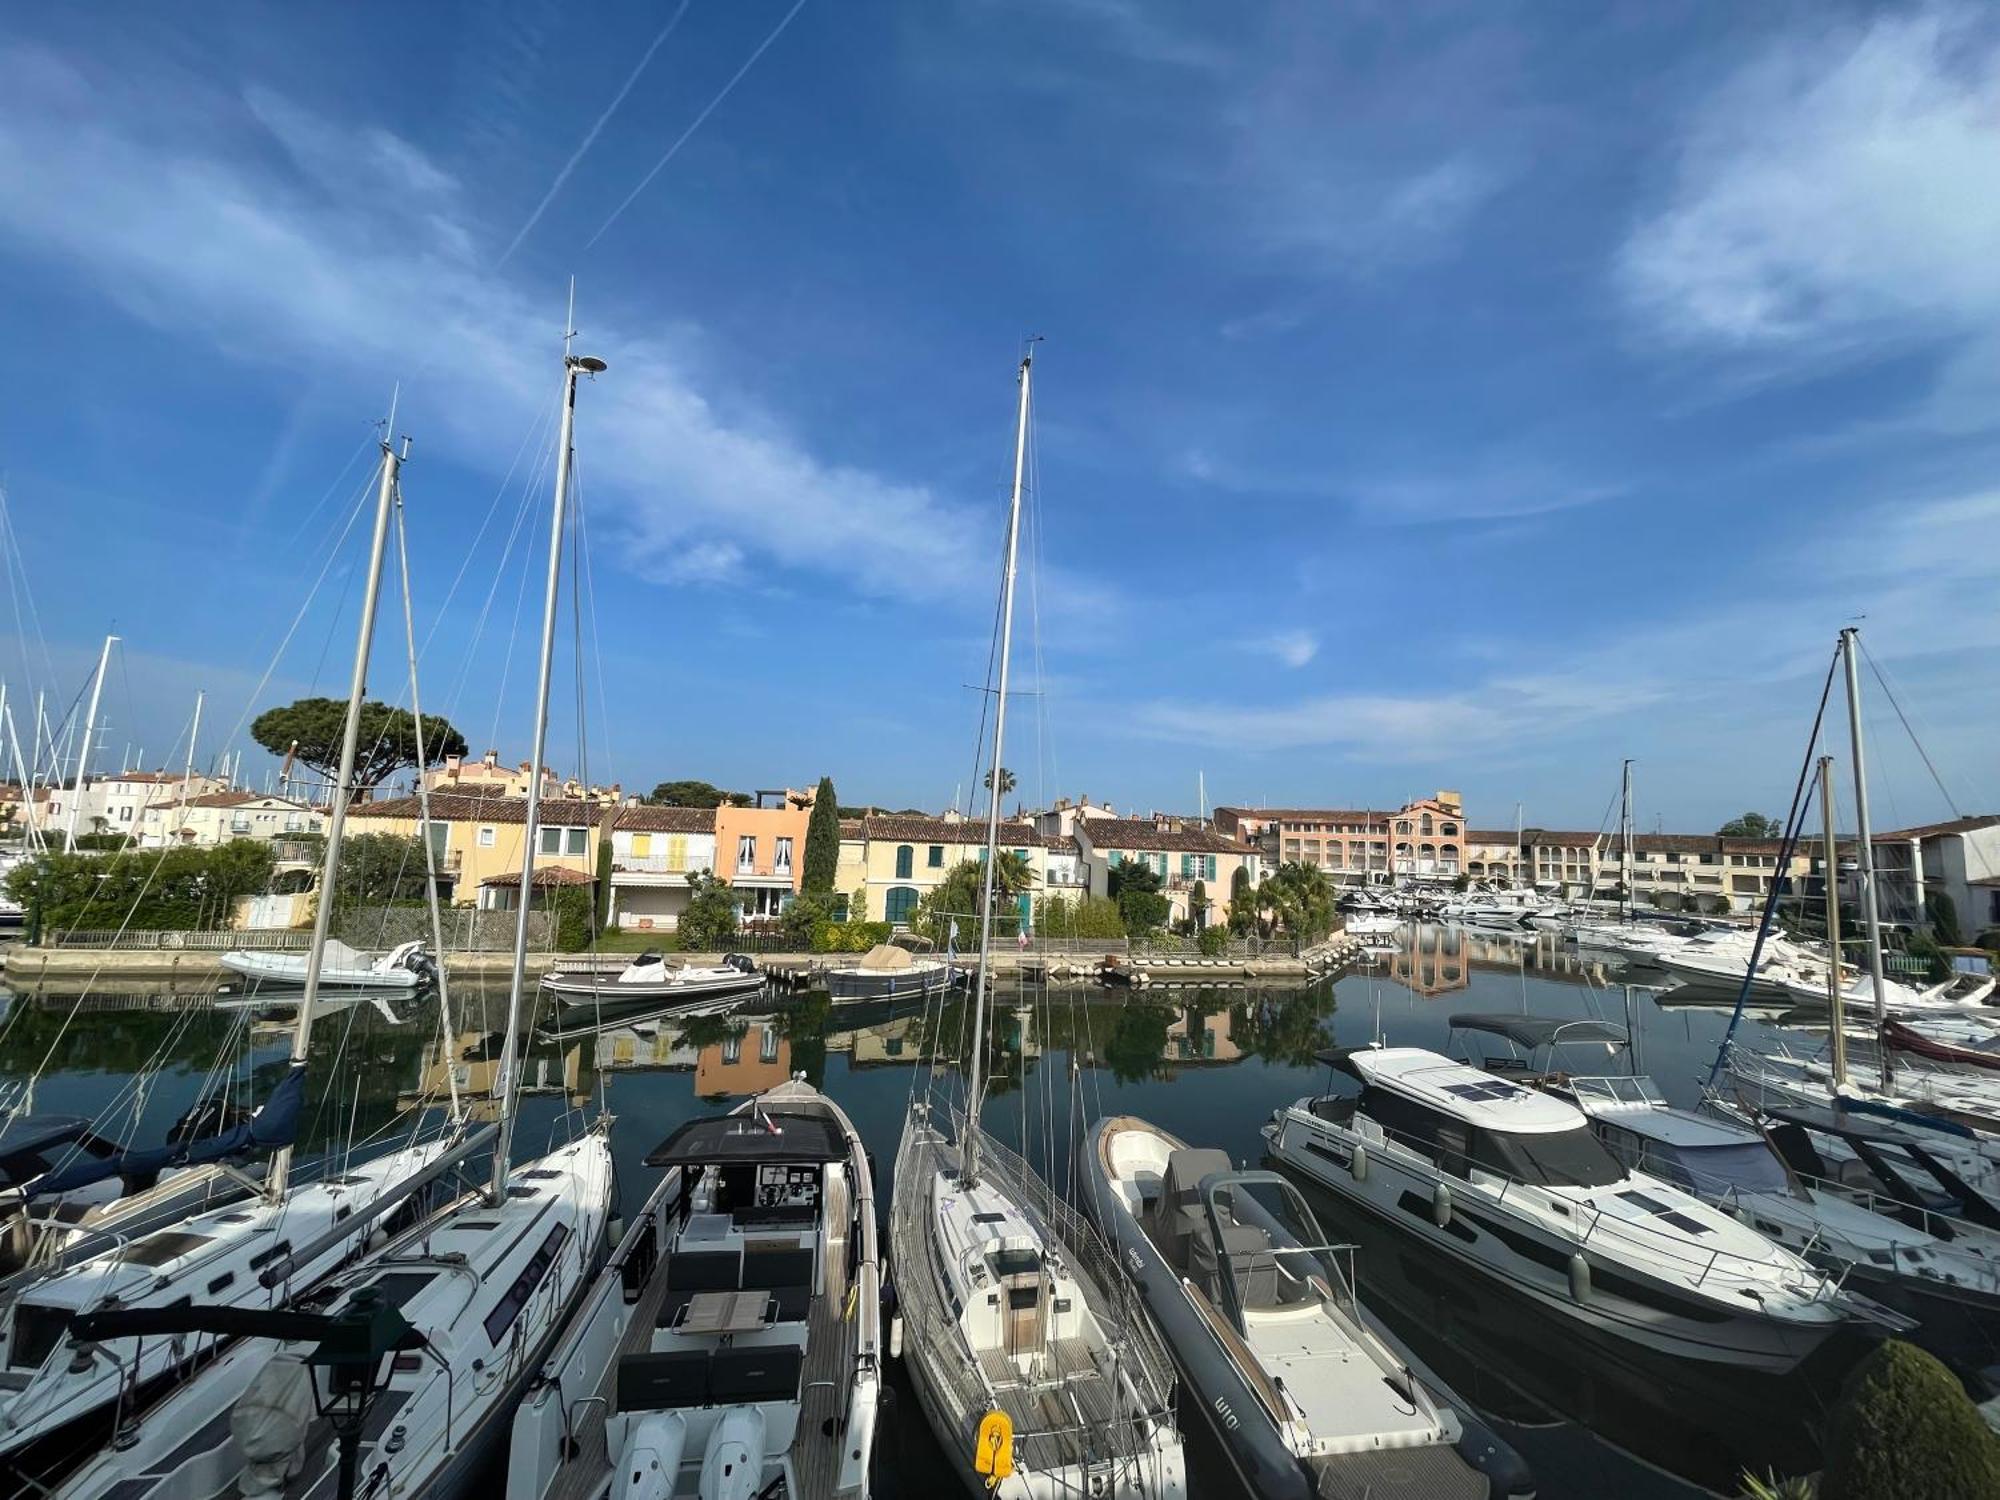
(1143, 833)
(462, 807)
(1938, 830)
(643, 819)
(548, 875)
(899, 829)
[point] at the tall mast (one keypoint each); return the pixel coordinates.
(1835, 999)
(343, 791)
(972, 1093)
(1850, 646)
(573, 364)
(1625, 845)
(424, 804)
(187, 774)
(89, 732)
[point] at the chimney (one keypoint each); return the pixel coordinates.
(491, 759)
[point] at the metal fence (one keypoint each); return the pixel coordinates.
(203, 942)
(466, 930)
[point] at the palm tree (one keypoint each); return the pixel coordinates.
(1006, 781)
(1012, 874)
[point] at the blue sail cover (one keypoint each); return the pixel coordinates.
(274, 1125)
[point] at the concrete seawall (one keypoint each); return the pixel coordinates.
(26, 967)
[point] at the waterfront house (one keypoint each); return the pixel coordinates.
(220, 817)
(487, 777)
(1564, 861)
(906, 856)
(1067, 875)
(477, 839)
(653, 852)
(117, 803)
(1495, 854)
(1181, 851)
(1423, 840)
(1959, 860)
(760, 850)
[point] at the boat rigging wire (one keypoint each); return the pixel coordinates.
(1888, 692)
(1794, 826)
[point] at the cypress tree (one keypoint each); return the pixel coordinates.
(823, 841)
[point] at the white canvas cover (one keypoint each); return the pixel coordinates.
(269, 1424)
(885, 957)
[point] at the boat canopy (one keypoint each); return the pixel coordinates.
(274, 1125)
(1862, 1120)
(1542, 1031)
(886, 956)
(768, 1135)
(27, 1142)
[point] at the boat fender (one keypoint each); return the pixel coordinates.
(1441, 1205)
(1357, 1164)
(650, 1466)
(732, 1468)
(896, 1338)
(614, 1232)
(1579, 1278)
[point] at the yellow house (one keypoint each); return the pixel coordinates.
(903, 857)
(1182, 853)
(478, 841)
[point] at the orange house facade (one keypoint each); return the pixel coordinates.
(760, 851)
(1424, 840)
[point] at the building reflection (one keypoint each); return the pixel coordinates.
(1435, 961)
(472, 1064)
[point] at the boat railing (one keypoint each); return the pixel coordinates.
(1597, 1225)
(1618, 1089)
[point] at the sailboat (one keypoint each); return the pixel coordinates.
(483, 1288)
(1038, 1379)
(65, 1394)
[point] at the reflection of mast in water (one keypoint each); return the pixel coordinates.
(473, 1061)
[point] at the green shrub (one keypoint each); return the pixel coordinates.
(801, 919)
(709, 923)
(173, 890)
(1943, 914)
(1214, 941)
(574, 908)
(1904, 1427)
(1085, 917)
(849, 937)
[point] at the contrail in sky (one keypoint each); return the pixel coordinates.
(735, 79)
(590, 139)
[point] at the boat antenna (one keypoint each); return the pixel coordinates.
(507, 1084)
(343, 793)
(970, 1153)
(1835, 985)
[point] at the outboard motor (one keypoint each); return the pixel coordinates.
(651, 1462)
(742, 963)
(733, 1466)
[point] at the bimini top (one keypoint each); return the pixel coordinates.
(1463, 1092)
(1542, 1031)
(748, 1137)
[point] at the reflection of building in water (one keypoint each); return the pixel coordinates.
(1433, 963)
(1544, 953)
(651, 1047)
(476, 1076)
(1196, 1038)
(890, 1044)
(744, 1062)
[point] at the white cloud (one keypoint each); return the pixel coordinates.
(1293, 648)
(1844, 189)
(294, 242)
(1388, 727)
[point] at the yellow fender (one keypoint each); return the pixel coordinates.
(993, 1449)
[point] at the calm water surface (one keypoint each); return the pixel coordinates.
(1208, 1064)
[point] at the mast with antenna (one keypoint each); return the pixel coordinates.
(343, 791)
(508, 1084)
(1625, 845)
(975, 1084)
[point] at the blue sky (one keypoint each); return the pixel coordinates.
(1433, 396)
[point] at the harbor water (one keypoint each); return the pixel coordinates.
(1208, 1064)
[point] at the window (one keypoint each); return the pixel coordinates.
(1558, 1158)
(440, 835)
(677, 851)
(125, 813)
(509, 1307)
(767, 1046)
(746, 850)
(784, 858)
(551, 841)
(936, 859)
(905, 861)
(642, 846)
(901, 900)
(578, 841)
(486, 838)
(1427, 829)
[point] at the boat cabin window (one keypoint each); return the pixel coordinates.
(1015, 1262)
(1748, 1167)
(37, 1331)
(1556, 1158)
(509, 1307)
(1403, 1119)
(157, 1249)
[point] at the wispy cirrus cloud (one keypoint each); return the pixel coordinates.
(1290, 648)
(288, 240)
(1838, 199)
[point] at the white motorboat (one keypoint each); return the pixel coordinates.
(732, 1344)
(891, 971)
(651, 983)
(405, 967)
(1514, 1184)
(1372, 924)
(1305, 1392)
